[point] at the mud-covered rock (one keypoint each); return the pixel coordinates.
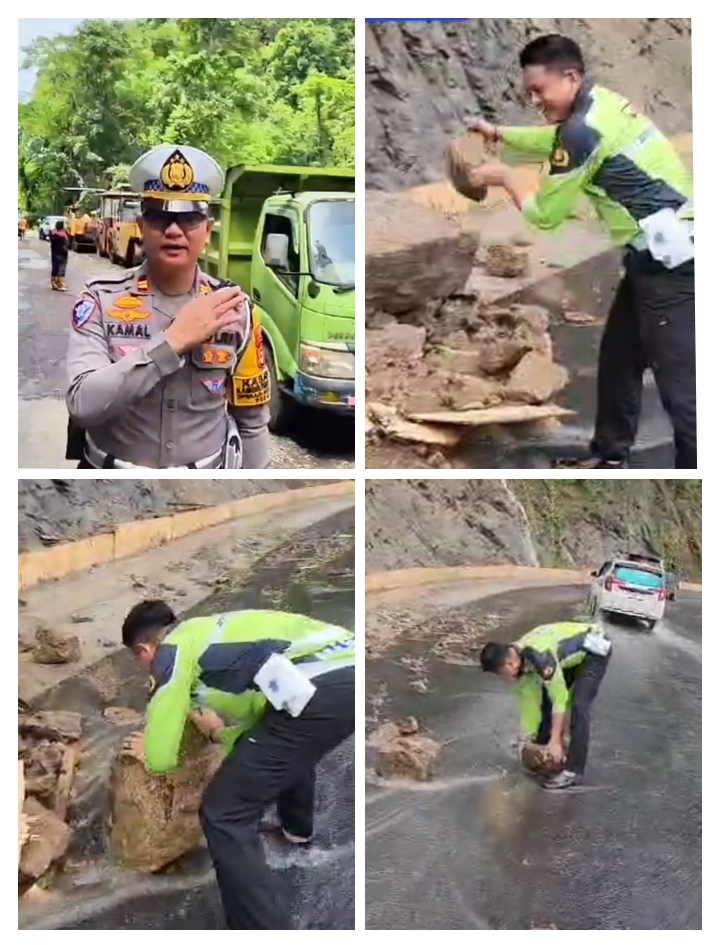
(405, 342)
(154, 817)
(400, 750)
(452, 391)
(536, 379)
(46, 842)
(52, 646)
(534, 760)
(42, 766)
(507, 262)
(410, 756)
(412, 254)
(51, 724)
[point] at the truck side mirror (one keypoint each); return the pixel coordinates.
(276, 252)
(593, 574)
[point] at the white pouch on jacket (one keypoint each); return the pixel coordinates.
(284, 686)
(670, 239)
(597, 643)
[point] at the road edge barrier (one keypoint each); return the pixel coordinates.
(130, 538)
(380, 581)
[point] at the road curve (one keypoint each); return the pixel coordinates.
(481, 846)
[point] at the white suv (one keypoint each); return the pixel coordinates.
(630, 584)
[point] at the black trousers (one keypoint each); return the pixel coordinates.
(274, 763)
(583, 681)
(651, 324)
(58, 265)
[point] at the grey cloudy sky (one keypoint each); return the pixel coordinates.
(28, 30)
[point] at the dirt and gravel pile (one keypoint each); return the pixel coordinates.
(48, 754)
(54, 510)
(423, 79)
(536, 522)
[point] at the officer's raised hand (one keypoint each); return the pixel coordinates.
(204, 317)
(480, 126)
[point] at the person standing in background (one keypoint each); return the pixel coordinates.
(59, 250)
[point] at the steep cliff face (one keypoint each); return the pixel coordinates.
(67, 509)
(423, 79)
(551, 523)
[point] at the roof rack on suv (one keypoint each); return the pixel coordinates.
(643, 556)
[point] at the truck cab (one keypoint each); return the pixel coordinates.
(287, 237)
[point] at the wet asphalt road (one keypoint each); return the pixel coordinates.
(314, 575)
(483, 847)
(319, 441)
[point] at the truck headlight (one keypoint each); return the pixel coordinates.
(327, 362)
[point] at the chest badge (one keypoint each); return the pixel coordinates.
(215, 384)
(128, 315)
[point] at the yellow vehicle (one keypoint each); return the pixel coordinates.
(118, 236)
(81, 230)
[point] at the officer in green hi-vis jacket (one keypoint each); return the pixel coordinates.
(281, 689)
(556, 668)
(597, 145)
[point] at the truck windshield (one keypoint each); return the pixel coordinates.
(130, 210)
(331, 235)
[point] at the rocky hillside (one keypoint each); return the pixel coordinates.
(66, 509)
(423, 79)
(552, 523)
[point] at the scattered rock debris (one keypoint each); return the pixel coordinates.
(402, 752)
(52, 646)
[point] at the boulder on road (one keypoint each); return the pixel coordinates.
(47, 839)
(51, 646)
(412, 254)
(154, 818)
(536, 379)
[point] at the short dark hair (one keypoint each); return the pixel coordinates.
(60, 225)
(553, 51)
(493, 656)
(145, 621)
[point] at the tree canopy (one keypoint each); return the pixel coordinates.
(275, 91)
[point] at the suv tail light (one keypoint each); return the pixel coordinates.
(608, 583)
(661, 594)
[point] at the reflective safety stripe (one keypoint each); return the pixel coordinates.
(201, 690)
(314, 668)
(323, 637)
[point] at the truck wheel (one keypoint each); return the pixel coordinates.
(282, 408)
(650, 624)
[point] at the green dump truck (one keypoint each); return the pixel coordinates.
(287, 236)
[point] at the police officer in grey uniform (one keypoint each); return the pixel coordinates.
(152, 353)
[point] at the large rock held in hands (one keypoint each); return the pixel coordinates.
(154, 817)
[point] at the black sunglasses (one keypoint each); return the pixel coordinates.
(162, 219)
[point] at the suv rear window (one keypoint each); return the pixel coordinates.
(639, 576)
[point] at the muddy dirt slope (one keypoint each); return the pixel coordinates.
(551, 523)
(423, 79)
(67, 509)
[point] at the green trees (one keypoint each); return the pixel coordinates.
(246, 91)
